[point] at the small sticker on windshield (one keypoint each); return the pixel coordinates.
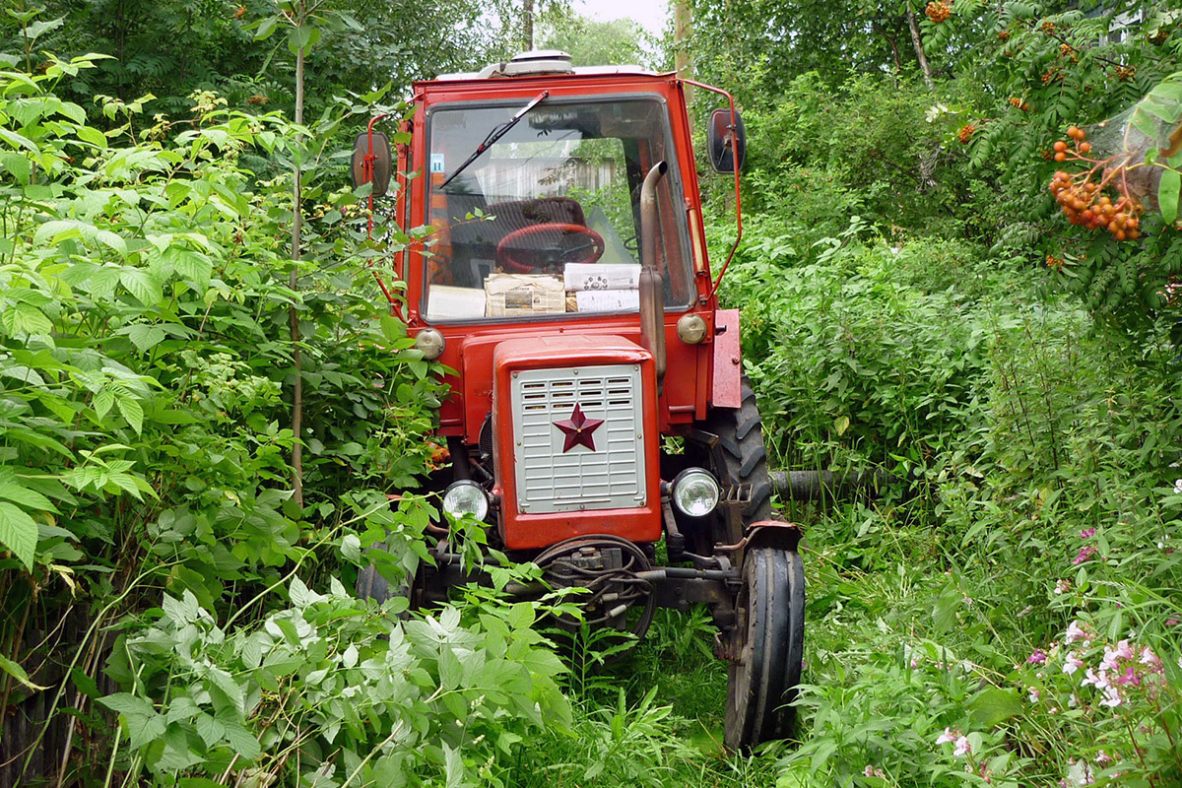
(437, 162)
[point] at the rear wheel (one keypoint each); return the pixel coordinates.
(767, 649)
(740, 434)
(740, 462)
(371, 584)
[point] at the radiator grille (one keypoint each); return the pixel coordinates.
(551, 480)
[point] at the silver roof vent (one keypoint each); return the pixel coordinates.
(534, 62)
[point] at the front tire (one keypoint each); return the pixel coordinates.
(767, 649)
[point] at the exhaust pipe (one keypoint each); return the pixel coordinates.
(814, 485)
(652, 288)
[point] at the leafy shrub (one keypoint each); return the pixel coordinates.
(1042, 441)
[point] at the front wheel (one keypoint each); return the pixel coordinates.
(767, 649)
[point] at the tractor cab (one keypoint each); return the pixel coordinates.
(597, 406)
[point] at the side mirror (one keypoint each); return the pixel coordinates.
(382, 158)
(722, 158)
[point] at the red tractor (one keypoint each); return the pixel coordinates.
(598, 411)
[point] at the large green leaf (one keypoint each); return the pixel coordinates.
(142, 285)
(302, 38)
(132, 412)
(11, 490)
(22, 318)
(994, 705)
(144, 724)
(18, 532)
(1167, 195)
(17, 672)
(145, 336)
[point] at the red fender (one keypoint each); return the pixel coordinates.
(773, 533)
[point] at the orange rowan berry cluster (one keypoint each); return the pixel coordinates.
(1054, 262)
(1048, 28)
(1053, 75)
(240, 12)
(1003, 35)
(938, 11)
(1125, 73)
(965, 135)
(1084, 202)
(1019, 103)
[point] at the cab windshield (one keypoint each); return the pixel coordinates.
(546, 221)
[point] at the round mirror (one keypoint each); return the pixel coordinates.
(381, 163)
(722, 158)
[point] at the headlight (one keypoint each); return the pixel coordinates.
(691, 329)
(465, 497)
(430, 342)
(695, 492)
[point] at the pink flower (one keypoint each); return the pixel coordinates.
(873, 771)
(1075, 633)
(1084, 554)
(948, 735)
(1099, 680)
(1072, 663)
(1062, 586)
(1112, 655)
(1151, 660)
(1033, 695)
(1087, 533)
(962, 747)
(1129, 677)
(1111, 697)
(1103, 758)
(1037, 657)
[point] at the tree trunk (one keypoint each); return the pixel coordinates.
(681, 33)
(682, 27)
(293, 315)
(919, 53)
(528, 25)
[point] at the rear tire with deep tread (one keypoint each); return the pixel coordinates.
(740, 435)
(372, 585)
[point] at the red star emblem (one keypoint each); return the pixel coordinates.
(578, 430)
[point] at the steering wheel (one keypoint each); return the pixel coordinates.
(529, 248)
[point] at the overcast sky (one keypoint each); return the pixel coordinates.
(649, 13)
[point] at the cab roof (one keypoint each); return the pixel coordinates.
(544, 62)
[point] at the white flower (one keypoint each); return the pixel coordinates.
(1076, 633)
(1033, 695)
(1078, 774)
(1178, 487)
(935, 111)
(962, 747)
(947, 736)
(1111, 697)
(1072, 663)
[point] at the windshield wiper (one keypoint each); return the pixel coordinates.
(494, 135)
